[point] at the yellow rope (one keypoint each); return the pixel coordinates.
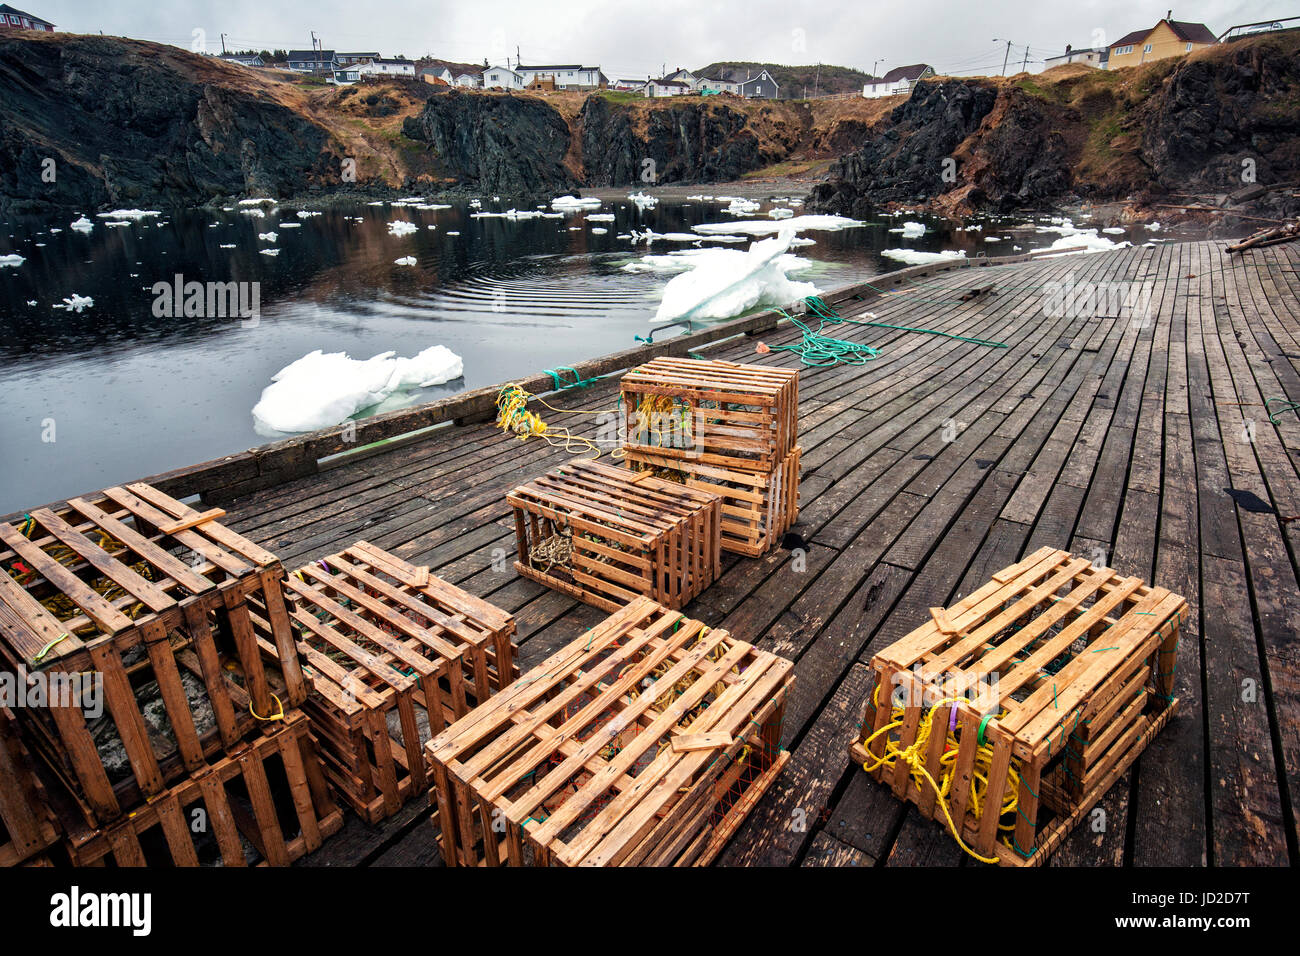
(513, 416)
(914, 757)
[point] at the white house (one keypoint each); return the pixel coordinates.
(378, 66)
(351, 59)
(1094, 57)
(502, 78)
(243, 59)
(565, 76)
(625, 84)
(683, 76)
(468, 80)
(899, 80)
(431, 75)
(716, 85)
(655, 88)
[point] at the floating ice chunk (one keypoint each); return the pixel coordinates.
(476, 203)
(227, 245)
(1114, 230)
(32, 302)
(911, 230)
(117, 222)
(1086, 240)
(742, 207)
(400, 227)
(267, 236)
(767, 227)
(75, 303)
(598, 231)
(1153, 226)
(431, 226)
(307, 213)
(404, 261)
(82, 224)
(649, 236)
(269, 252)
(915, 257)
(129, 214)
(323, 389)
(12, 261)
(600, 217)
(260, 201)
(643, 200)
(378, 202)
(992, 238)
(575, 202)
(726, 282)
(290, 225)
(452, 232)
(430, 206)
(781, 213)
(255, 213)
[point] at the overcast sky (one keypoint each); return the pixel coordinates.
(639, 37)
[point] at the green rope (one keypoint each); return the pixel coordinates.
(561, 384)
(819, 350)
(1287, 405)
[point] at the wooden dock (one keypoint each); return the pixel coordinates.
(1146, 444)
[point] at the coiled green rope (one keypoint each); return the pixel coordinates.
(821, 351)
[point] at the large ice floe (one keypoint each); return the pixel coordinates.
(11, 261)
(402, 227)
(327, 388)
(723, 283)
(769, 227)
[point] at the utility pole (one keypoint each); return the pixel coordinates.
(1005, 58)
(1025, 68)
(314, 41)
(223, 44)
(817, 81)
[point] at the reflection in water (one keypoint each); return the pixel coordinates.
(124, 392)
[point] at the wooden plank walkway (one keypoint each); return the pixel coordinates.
(1146, 444)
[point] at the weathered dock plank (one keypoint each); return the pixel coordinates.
(924, 471)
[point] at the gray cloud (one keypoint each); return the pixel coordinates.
(635, 39)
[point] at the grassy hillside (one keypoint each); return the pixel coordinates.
(794, 79)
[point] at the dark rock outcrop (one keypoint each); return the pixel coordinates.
(628, 144)
(511, 145)
(93, 121)
(1190, 125)
(904, 161)
(1211, 115)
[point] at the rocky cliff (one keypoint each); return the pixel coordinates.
(509, 145)
(1211, 123)
(93, 121)
(689, 140)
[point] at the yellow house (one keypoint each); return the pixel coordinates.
(1166, 38)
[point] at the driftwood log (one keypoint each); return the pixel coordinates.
(1269, 237)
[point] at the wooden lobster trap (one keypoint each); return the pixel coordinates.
(129, 611)
(758, 508)
(644, 742)
(393, 655)
(27, 826)
(267, 805)
(606, 536)
(721, 414)
(1009, 715)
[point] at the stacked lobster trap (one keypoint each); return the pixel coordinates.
(127, 620)
(645, 742)
(724, 428)
(605, 536)
(394, 655)
(1007, 716)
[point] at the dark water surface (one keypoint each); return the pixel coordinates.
(126, 394)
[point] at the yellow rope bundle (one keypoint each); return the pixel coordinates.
(914, 757)
(61, 606)
(513, 416)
